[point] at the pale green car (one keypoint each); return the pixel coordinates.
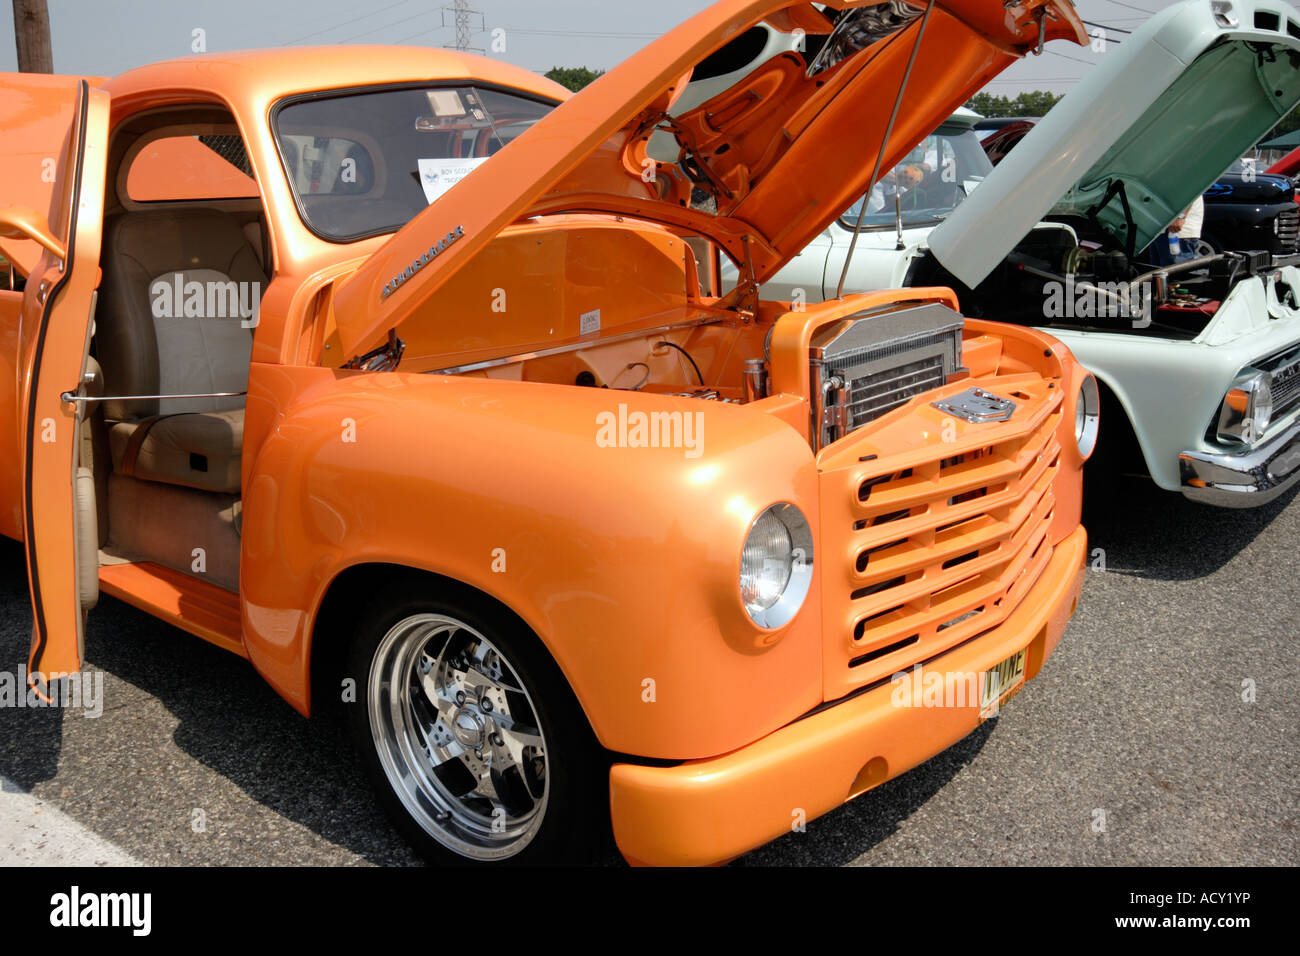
(1208, 372)
(1202, 357)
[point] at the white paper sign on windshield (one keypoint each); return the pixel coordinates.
(439, 175)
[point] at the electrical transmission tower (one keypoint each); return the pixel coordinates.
(463, 15)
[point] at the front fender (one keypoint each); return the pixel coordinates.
(1171, 390)
(623, 560)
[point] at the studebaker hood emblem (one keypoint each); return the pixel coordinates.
(1149, 128)
(435, 250)
(782, 155)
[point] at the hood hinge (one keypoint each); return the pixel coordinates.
(383, 359)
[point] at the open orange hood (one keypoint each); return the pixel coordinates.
(783, 153)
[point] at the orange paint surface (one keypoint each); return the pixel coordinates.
(568, 266)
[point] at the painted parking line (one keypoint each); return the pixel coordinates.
(36, 833)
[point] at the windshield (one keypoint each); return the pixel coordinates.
(362, 164)
(929, 183)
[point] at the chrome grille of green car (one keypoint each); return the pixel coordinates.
(1284, 381)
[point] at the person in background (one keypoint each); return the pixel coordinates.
(1193, 218)
(898, 181)
(1169, 248)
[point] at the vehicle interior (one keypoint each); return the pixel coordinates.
(185, 260)
(389, 167)
(927, 185)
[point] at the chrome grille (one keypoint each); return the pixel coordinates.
(1288, 227)
(873, 395)
(871, 363)
(939, 548)
(1284, 381)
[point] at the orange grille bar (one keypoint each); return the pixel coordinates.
(925, 549)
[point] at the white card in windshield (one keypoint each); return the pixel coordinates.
(439, 175)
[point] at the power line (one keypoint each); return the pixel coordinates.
(358, 36)
(1120, 3)
(411, 36)
(1072, 59)
(1102, 26)
(365, 16)
(585, 33)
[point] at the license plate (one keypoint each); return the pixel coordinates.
(999, 685)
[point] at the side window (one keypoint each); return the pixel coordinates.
(365, 163)
(328, 165)
(176, 168)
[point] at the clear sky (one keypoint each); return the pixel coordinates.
(105, 37)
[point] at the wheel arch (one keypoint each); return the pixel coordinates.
(1120, 440)
(342, 603)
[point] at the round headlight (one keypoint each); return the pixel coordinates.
(1087, 415)
(776, 566)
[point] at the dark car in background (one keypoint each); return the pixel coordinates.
(1246, 209)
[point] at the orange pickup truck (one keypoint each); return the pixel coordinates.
(411, 379)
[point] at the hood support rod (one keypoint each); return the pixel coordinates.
(880, 156)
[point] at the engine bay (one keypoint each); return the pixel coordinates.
(1051, 280)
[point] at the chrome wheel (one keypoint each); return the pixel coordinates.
(458, 736)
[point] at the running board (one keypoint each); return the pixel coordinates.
(210, 612)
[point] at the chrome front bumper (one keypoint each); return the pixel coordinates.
(1246, 480)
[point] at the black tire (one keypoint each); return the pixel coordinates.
(1116, 460)
(573, 824)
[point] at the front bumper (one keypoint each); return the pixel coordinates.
(1246, 480)
(707, 811)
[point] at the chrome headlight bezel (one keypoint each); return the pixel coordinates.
(795, 562)
(1247, 408)
(1087, 417)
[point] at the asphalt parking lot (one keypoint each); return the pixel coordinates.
(1134, 746)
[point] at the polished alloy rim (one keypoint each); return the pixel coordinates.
(458, 736)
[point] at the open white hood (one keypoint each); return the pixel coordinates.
(1163, 114)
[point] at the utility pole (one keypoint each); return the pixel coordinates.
(463, 21)
(32, 36)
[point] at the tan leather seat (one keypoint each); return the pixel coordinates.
(196, 449)
(149, 343)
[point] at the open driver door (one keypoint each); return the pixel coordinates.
(61, 123)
